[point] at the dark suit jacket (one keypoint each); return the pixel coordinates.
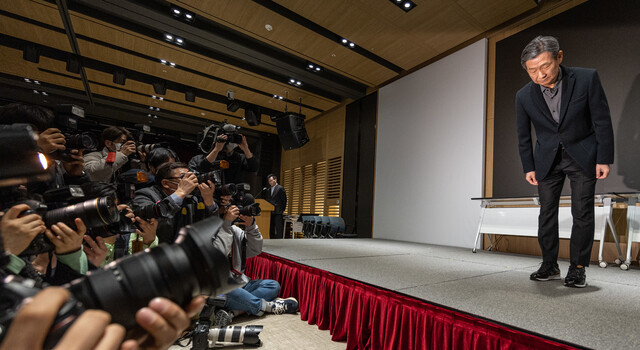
(584, 129)
(279, 199)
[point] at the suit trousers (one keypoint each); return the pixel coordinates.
(583, 187)
(276, 231)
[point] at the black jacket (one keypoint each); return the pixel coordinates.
(584, 129)
(238, 164)
(278, 199)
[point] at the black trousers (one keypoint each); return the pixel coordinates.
(583, 187)
(277, 226)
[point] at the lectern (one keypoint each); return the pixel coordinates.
(264, 219)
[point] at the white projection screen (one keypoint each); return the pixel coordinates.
(430, 152)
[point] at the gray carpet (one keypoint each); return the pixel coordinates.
(492, 285)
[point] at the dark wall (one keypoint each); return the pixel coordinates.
(359, 165)
(600, 34)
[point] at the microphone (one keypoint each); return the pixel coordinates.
(259, 193)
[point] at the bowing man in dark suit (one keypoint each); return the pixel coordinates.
(277, 197)
(569, 112)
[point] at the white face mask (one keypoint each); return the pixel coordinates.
(231, 146)
(118, 146)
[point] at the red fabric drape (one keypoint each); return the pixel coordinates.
(367, 317)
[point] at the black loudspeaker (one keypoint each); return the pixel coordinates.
(190, 96)
(291, 130)
(232, 105)
(160, 87)
(119, 77)
(73, 65)
(252, 115)
(31, 53)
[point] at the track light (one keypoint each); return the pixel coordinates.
(233, 106)
(160, 87)
(31, 53)
(313, 67)
(190, 96)
(119, 77)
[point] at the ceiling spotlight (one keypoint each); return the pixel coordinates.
(318, 69)
(27, 80)
(176, 11)
(292, 81)
(405, 5)
(149, 115)
(172, 64)
(157, 109)
(310, 66)
(161, 98)
(163, 61)
(155, 116)
(44, 93)
(168, 37)
(151, 107)
(298, 83)
(36, 92)
(179, 41)
(36, 82)
(188, 16)
(352, 45)
(344, 41)
(154, 97)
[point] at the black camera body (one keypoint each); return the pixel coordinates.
(66, 119)
(232, 133)
(65, 205)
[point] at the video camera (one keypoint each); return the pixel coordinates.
(66, 119)
(212, 134)
(190, 267)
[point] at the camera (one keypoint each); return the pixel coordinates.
(20, 159)
(95, 212)
(146, 148)
(190, 267)
(66, 119)
(232, 134)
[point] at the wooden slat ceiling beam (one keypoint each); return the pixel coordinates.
(228, 47)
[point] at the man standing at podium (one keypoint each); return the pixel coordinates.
(569, 111)
(277, 197)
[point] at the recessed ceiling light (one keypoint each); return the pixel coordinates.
(27, 80)
(407, 4)
(318, 69)
(36, 92)
(176, 11)
(36, 82)
(202, 113)
(310, 66)
(168, 37)
(188, 16)
(179, 40)
(172, 64)
(163, 61)
(44, 93)
(344, 41)
(352, 45)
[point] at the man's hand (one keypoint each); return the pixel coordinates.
(206, 191)
(74, 167)
(128, 148)
(602, 171)
(34, 320)
(147, 229)
(246, 220)
(531, 178)
(17, 232)
(96, 251)
(165, 321)
(244, 146)
(232, 213)
(66, 239)
(211, 157)
(186, 185)
(51, 140)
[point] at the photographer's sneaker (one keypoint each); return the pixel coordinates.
(222, 318)
(547, 271)
(576, 277)
(284, 306)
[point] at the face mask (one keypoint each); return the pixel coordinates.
(118, 146)
(231, 146)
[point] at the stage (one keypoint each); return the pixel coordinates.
(491, 286)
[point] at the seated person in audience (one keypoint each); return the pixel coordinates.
(99, 165)
(238, 162)
(258, 296)
(172, 192)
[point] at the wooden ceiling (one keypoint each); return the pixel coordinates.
(253, 48)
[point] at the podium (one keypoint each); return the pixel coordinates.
(264, 219)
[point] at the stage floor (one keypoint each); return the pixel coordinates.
(490, 285)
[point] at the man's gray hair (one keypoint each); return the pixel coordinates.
(537, 46)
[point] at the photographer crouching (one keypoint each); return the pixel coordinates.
(257, 296)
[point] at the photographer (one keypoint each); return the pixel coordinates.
(257, 296)
(223, 150)
(65, 171)
(173, 189)
(162, 319)
(118, 146)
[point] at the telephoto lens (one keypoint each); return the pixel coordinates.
(83, 140)
(226, 190)
(235, 335)
(252, 209)
(190, 267)
(93, 212)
